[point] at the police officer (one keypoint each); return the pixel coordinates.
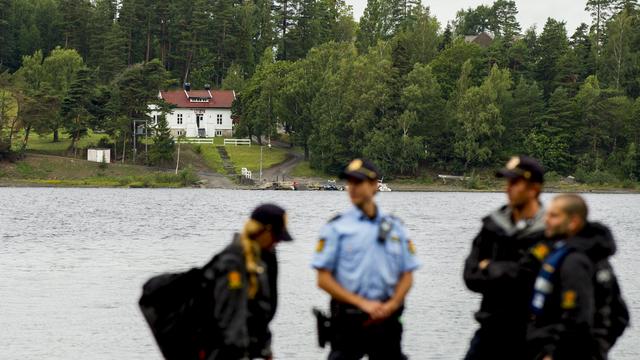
(578, 310)
(245, 287)
(365, 261)
(496, 269)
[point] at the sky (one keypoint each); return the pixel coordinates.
(531, 12)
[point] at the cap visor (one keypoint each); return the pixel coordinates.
(285, 236)
(507, 174)
(353, 175)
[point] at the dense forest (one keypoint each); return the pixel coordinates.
(399, 86)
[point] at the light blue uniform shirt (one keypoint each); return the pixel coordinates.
(350, 249)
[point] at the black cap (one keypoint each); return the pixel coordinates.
(274, 215)
(361, 169)
(523, 167)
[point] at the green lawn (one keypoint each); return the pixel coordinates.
(249, 157)
(45, 144)
(46, 170)
(304, 170)
(210, 156)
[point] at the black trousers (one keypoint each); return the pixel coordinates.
(354, 336)
(497, 344)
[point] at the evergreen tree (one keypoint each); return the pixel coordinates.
(163, 144)
(75, 107)
(503, 22)
(553, 44)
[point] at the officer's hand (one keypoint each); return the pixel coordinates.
(485, 264)
(388, 309)
(373, 308)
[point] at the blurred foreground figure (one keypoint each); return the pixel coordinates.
(578, 311)
(497, 269)
(365, 261)
(221, 311)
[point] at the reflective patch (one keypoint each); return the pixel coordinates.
(603, 276)
(543, 285)
(548, 268)
(540, 251)
(513, 163)
(412, 248)
(538, 301)
(235, 280)
(320, 246)
(395, 238)
(569, 300)
(355, 165)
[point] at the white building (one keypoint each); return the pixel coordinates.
(198, 113)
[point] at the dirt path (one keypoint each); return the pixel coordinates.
(283, 170)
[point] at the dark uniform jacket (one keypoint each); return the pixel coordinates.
(506, 284)
(585, 313)
(243, 323)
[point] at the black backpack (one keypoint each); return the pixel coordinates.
(612, 315)
(179, 311)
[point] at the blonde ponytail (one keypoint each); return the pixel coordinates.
(251, 251)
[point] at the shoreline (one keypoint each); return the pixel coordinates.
(396, 187)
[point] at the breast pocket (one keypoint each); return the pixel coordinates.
(393, 250)
(351, 247)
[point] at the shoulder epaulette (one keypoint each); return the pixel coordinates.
(335, 218)
(395, 218)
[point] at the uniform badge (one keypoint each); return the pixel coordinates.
(569, 300)
(235, 280)
(412, 248)
(540, 251)
(320, 246)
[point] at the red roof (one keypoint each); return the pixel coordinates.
(216, 99)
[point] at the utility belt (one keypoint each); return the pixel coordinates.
(344, 313)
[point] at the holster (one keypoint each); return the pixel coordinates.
(324, 327)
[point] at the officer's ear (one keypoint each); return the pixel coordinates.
(536, 188)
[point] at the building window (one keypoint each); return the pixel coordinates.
(218, 132)
(219, 119)
(182, 133)
(179, 119)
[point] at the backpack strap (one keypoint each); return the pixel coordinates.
(543, 287)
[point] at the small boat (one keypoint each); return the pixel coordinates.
(331, 185)
(382, 187)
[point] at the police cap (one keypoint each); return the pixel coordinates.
(523, 167)
(360, 169)
(274, 215)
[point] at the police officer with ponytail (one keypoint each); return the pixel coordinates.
(245, 286)
(221, 311)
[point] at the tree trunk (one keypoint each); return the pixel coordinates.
(56, 136)
(306, 152)
(25, 142)
(124, 146)
(146, 59)
(178, 158)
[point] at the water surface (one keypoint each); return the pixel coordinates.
(72, 262)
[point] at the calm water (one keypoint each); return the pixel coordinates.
(72, 262)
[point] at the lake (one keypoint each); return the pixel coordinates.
(72, 263)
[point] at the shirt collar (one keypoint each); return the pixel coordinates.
(360, 215)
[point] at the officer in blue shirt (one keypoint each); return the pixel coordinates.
(365, 261)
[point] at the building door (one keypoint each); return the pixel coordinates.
(199, 119)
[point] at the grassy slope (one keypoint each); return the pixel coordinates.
(249, 157)
(44, 144)
(51, 170)
(41, 168)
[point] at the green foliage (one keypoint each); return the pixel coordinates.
(188, 176)
(163, 146)
(397, 87)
